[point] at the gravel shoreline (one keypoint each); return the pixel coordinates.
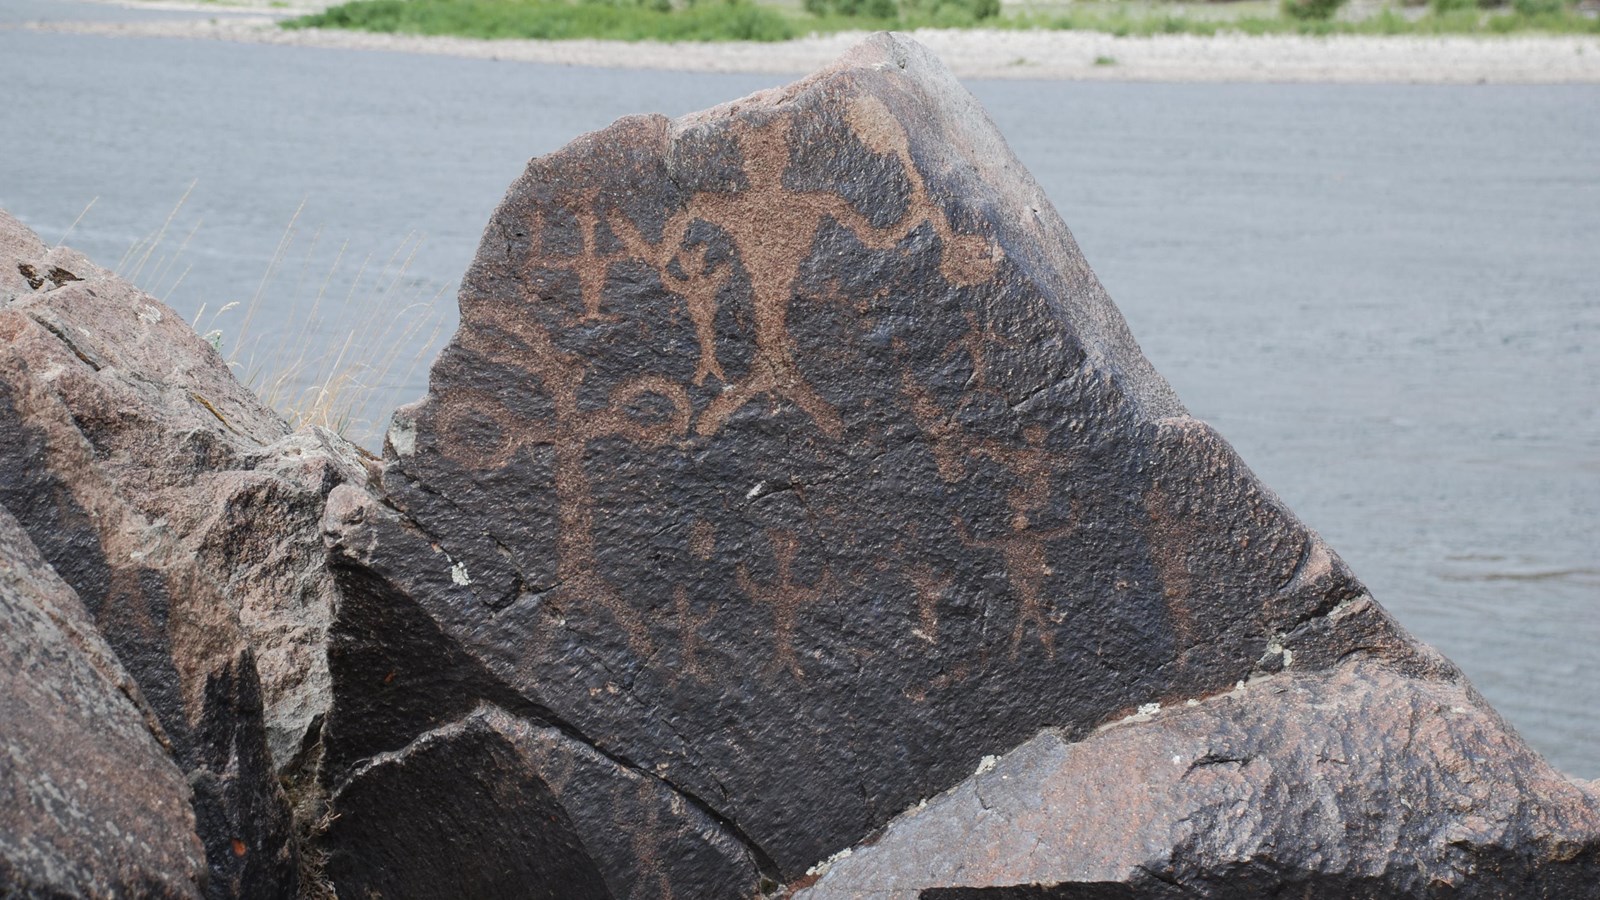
(1056, 55)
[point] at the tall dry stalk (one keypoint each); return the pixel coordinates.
(334, 363)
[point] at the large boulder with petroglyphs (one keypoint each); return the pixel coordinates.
(790, 456)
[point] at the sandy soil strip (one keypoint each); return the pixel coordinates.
(990, 54)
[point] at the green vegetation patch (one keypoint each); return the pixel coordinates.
(716, 20)
(1316, 18)
(744, 20)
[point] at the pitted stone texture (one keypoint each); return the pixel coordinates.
(495, 806)
(143, 424)
(90, 803)
(185, 515)
(792, 451)
(1359, 782)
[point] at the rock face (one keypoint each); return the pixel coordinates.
(1354, 782)
(90, 803)
(550, 816)
(186, 517)
(789, 453)
(520, 804)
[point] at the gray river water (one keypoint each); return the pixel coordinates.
(1387, 297)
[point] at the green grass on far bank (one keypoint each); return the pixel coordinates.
(557, 20)
(744, 20)
(1387, 21)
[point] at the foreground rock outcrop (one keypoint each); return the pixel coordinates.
(73, 720)
(185, 516)
(789, 467)
(1350, 782)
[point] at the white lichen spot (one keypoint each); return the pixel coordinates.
(403, 436)
(1240, 685)
(822, 868)
(755, 490)
(1288, 657)
(458, 574)
(149, 314)
(1177, 760)
(921, 635)
(1191, 702)
(986, 764)
(1149, 709)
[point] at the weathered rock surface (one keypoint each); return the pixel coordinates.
(519, 810)
(90, 803)
(186, 517)
(529, 807)
(791, 452)
(1354, 782)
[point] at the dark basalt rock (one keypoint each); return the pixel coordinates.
(517, 810)
(791, 452)
(1359, 782)
(512, 783)
(90, 803)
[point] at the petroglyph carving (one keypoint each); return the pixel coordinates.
(774, 240)
(689, 639)
(700, 293)
(1170, 538)
(568, 434)
(930, 585)
(771, 241)
(1032, 465)
(785, 596)
(1027, 566)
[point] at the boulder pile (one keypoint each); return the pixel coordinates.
(792, 514)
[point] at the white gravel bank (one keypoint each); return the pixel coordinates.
(989, 54)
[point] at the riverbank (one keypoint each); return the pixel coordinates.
(970, 53)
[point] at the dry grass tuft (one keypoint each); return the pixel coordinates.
(336, 351)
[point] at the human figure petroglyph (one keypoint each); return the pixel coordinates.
(785, 596)
(700, 295)
(1027, 565)
(1023, 549)
(772, 229)
(1032, 466)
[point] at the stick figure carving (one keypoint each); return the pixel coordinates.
(785, 596)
